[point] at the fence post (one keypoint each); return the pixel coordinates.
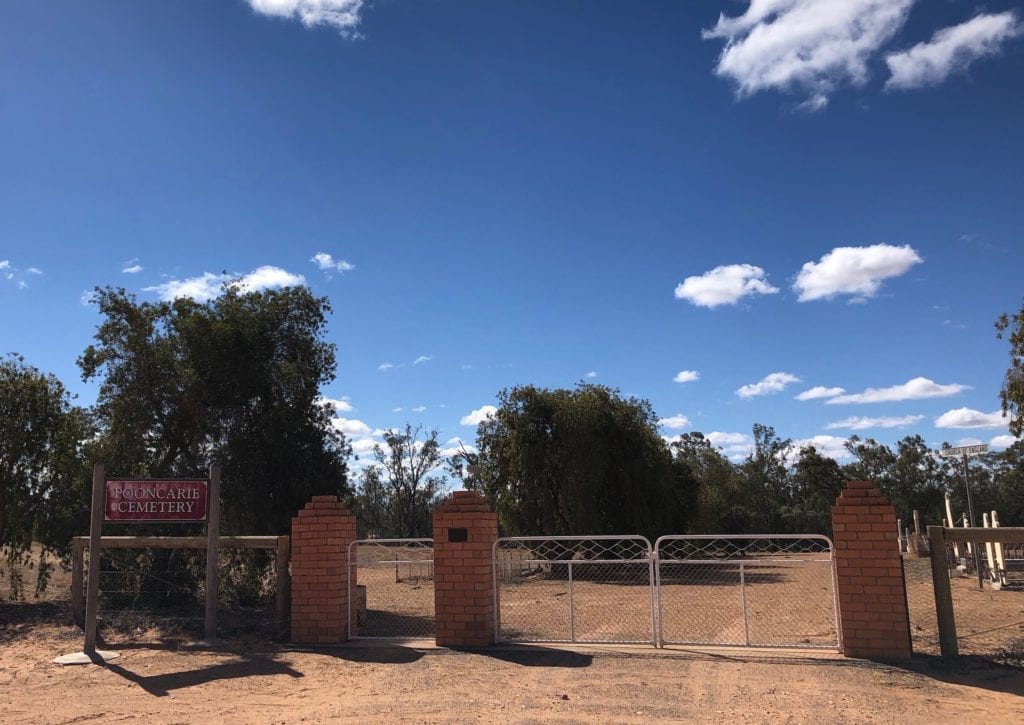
(871, 589)
(77, 580)
(283, 577)
(212, 552)
(95, 528)
(465, 530)
(943, 595)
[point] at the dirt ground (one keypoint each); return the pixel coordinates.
(159, 679)
(258, 682)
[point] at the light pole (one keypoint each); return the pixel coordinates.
(964, 452)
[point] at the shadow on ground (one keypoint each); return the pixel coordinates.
(246, 666)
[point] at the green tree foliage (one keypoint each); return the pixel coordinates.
(1012, 393)
(578, 461)
(815, 483)
(398, 493)
(235, 379)
(43, 473)
(718, 504)
(765, 477)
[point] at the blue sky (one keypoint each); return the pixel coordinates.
(717, 206)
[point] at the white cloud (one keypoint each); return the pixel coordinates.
(327, 263)
(352, 427)
(675, 422)
(419, 409)
(340, 405)
(479, 415)
(951, 50)
(771, 383)
(88, 298)
(385, 366)
(1003, 441)
(968, 418)
(591, 374)
(422, 359)
(724, 285)
(132, 266)
(686, 376)
(913, 389)
(863, 423)
(399, 409)
(807, 46)
(857, 271)
(734, 446)
(5, 264)
(829, 446)
(34, 270)
(969, 441)
(207, 285)
(343, 15)
(363, 446)
(820, 391)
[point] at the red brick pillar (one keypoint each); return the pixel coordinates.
(465, 530)
(872, 593)
(321, 534)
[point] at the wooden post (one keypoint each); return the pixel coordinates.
(284, 584)
(77, 581)
(95, 526)
(212, 551)
(943, 595)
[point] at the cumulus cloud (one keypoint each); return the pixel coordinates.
(478, 416)
(724, 285)
(863, 423)
(132, 266)
(914, 389)
(734, 446)
(352, 427)
(675, 422)
(422, 359)
(811, 47)
(857, 271)
(363, 446)
(771, 383)
(686, 376)
(951, 50)
(820, 391)
(590, 375)
(207, 285)
(826, 445)
(968, 418)
(1003, 441)
(340, 405)
(327, 263)
(342, 15)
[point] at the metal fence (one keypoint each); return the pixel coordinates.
(155, 587)
(391, 588)
(753, 591)
(586, 589)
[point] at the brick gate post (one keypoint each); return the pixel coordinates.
(871, 589)
(321, 534)
(465, 530)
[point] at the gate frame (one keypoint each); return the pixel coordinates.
(353, 583)
(743, 595)
(651, 571)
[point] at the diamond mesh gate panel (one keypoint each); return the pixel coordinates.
(574, 589)
(768, 591)
(392, 587)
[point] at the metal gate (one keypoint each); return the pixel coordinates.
(752, 591)
(391, 588)
(588, 589)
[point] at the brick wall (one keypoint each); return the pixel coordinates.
(872, 593)
(464, 605)
(321, 534)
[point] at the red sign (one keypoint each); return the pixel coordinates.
(155, 500)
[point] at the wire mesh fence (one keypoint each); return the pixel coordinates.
(989, 618)
(392, 583)
(575, 589)
(747, 591)
(150, 592)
